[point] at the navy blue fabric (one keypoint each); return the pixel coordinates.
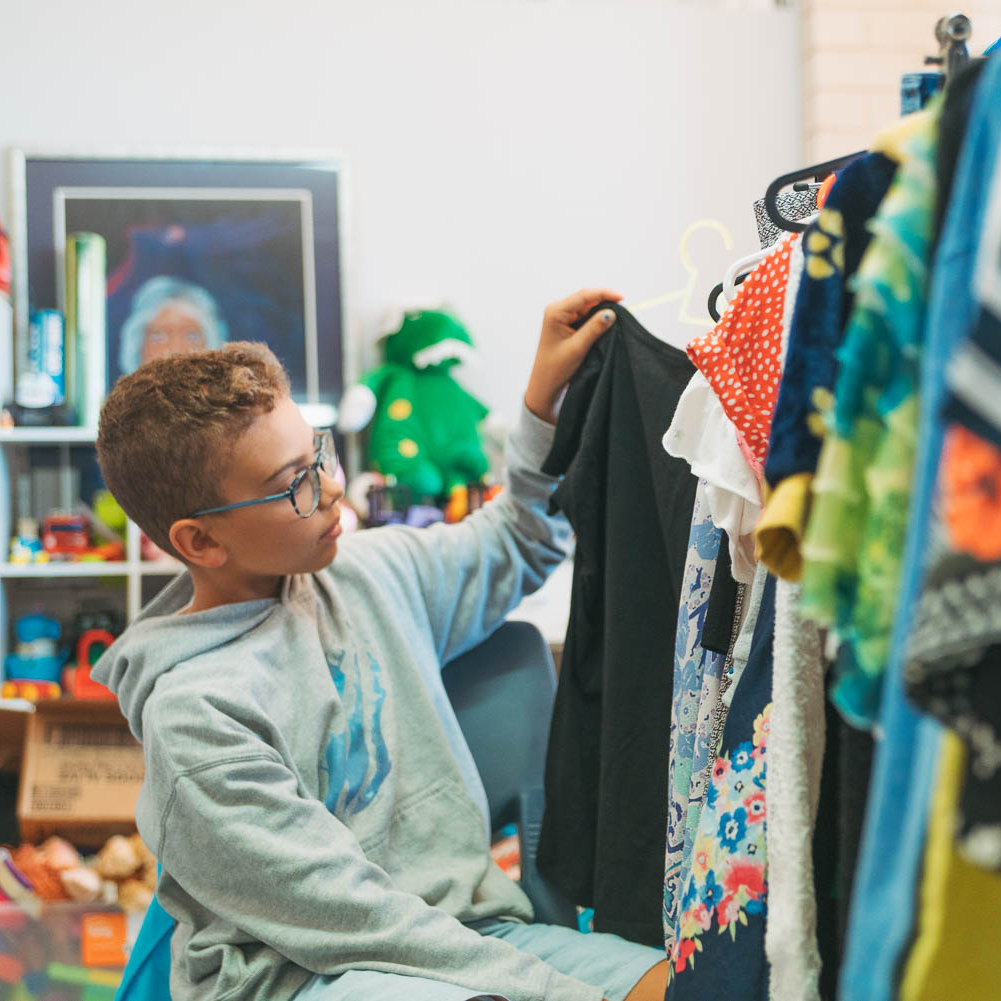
(735, 969)
(960, 406)
(822, 307)
(917, 89)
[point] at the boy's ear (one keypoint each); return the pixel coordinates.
(196, 544)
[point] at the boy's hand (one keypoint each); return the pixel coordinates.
(562, 349)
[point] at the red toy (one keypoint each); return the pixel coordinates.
(77, 680)
(65, 533)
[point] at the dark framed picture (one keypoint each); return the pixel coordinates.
(199, 251)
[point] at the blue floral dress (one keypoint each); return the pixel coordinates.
(696, 682)
(717, 946)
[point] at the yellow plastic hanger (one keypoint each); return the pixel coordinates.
(685, 294)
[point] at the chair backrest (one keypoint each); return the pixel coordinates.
(502, 692)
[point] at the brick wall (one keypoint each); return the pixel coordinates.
(854, 53)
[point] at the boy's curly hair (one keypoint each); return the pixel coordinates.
(166, 430)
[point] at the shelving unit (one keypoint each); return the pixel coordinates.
(13, 571)
(48, 436)
(132, 570)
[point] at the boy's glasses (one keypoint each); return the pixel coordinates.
(304, 492)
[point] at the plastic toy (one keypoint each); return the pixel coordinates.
(37, 656)
(424, 425)
(10, 969)
(26, 547)
(109, 511)
(76, 678)
(65, 533)
(64, 973)
(30, 691)
(33, 864)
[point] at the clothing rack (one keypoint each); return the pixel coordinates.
(952, 32)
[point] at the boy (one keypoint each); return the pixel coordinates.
(316, 812)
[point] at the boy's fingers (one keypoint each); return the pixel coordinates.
(595, 327)
(580, 302)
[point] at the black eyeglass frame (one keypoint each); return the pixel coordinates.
(326, 459)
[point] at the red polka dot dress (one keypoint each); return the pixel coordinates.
(742, 356)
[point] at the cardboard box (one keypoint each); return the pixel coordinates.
(13, 722)
(81, 772)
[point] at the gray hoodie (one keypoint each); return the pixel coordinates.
(308, 792)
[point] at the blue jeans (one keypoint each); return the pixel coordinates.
(606, 961)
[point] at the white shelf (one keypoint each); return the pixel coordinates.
(160, 569)
(131, 572)
(48, 436)
(93, 569)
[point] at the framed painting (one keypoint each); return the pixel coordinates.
(200, 250)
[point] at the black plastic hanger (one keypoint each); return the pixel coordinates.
(818, 171)
(715, 294)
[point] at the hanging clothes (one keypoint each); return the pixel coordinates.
(698, 674)
(833, 248)
(837, 836)
(718, 948)
(792, 793)
(793, 205)
(972, 373)
(705, 437)
(952, 124)
(854, 539)
(953, 673)
(724, 601)
(833, 245)
(741, 358)
(954, 659)
(959, 903)
(737, 661)
(694, 669)
(905, 765)
(630, 504)
(709, 704)
(729, 402)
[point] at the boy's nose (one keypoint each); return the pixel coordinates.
(331, 490)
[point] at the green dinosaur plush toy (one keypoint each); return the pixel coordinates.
(424, 427)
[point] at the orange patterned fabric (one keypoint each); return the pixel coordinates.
(742, 356)
(971, 493)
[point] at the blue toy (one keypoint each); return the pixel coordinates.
(37, 656)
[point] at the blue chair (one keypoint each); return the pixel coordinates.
(502, 692)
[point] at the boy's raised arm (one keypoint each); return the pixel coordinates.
(471, 575)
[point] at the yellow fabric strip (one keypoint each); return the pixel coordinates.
(959, 908)
(893, 141)
(780, 529)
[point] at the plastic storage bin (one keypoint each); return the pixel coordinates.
(61, 952)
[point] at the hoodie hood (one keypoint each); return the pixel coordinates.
(159, 639)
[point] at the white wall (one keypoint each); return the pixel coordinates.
(502, 152)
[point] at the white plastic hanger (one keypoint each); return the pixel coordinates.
(745, 265)
(740, 267)
(685, 294)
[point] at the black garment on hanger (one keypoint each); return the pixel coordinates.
(717, 629)
(951, 132)
(630, 503)
(837, 835)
